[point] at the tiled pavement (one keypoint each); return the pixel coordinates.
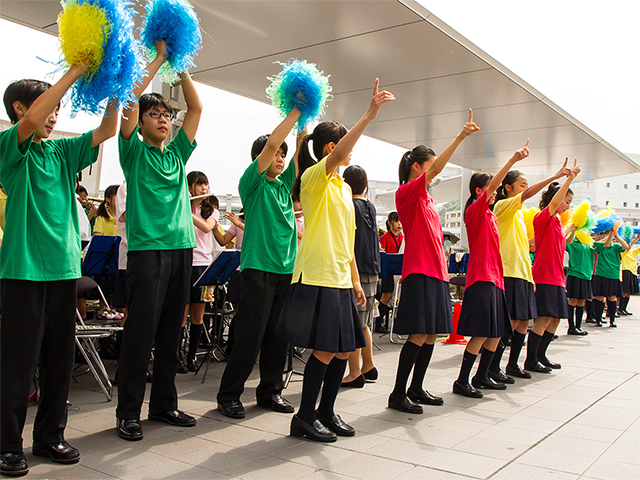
(579, 422)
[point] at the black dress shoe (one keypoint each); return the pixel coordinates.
(231, 408)
(424, 398)
(621, 313)
(589, 320)
(371, 375)
(336, 425)
(129, 429)
(466, 390)
(489, 384)
(517, 372)
(182, 369)
(500, 377)
(537, 367)
(173, 417)
(192, 365)
(613, 324)
(582, 332)
(573, 331)
(357, 383)
(13, 464)
(548, 363)
(58, 452)
(316, 432)
(277, 404)
(404, 404)
(598, 323)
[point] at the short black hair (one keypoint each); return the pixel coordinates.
(356, 177)
(259, 144)
(24, 91)
(80, 189)
(150, 101)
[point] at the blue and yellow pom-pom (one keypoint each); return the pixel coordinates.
(302, 85)
(175, 22)
(606, 220)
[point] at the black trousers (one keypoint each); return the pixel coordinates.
(38, 325)
(158, 283)
(262, 295)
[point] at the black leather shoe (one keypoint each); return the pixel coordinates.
(336, 425)
(316, 432)
(548, 363)
(371, 375)
(192, 365)
(58, 452)
(612, 324)
(500, 377)
(598, 323)
(129, 429)
(13, 464)
(589, 320)
(231, 408)
(277, 404)
(466, 390)
(424, 398)
(537, 367)
(173, 417)
(182, 369)
(573, 331)
(517, 372)
(489, 384)
(357, 383)
(404, 404)
(582, 332)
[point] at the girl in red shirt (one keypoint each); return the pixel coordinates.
(390, 243)
(485, 313)
(425, 306)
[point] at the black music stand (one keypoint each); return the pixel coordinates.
(102, 256)
(391, 264)
(217, 274)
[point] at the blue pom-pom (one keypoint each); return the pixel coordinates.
(605, 223)
(175, 22)
(625, 232)
(636, 230)
(302, 85)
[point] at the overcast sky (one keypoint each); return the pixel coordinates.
(580, 54)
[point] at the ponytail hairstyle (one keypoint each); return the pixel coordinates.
(322, 135)
(478, 180)
(509, 179)
(392, 217)
(549, 193)
(206, 206)
(419, 155)
(356, 177)
(108, 193)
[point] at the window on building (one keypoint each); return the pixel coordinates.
(637, 205)
(626, 186)
(608, 185)
(607, 202)
(637, 187)
(624, 204)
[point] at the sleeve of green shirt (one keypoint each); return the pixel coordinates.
(77, 151)
(598, 246)
(619, 248)
(182, 147)
(288, 177)
(249, 181)
(10, 151)
(128, 149)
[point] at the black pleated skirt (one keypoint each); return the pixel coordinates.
(551, 301)
(521, 298)
(321, 318)
(629, 283)
(425, 306)
(485, 312)
(579, 288)
(606, 287)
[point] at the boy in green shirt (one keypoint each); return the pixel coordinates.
(160, 241)
(606, 279)
(39, 265)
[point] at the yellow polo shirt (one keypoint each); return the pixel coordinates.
(514, 243)
(629, 260)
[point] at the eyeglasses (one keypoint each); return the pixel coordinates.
(156, 115)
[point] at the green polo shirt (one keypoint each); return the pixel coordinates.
(270, 236)
(581, 260)
(609, 260)
(158, 207)
(42, 234)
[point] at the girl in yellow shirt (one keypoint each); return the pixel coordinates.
(105, 218)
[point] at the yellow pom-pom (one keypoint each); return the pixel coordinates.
(564, 217)
(84, 29)
(528, 219)
(584, 237)
(580, 214)
(605, 212)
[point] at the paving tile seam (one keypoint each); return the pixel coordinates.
(513, 460)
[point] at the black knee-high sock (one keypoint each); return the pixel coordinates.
(579, 317)
(598, 308)
(483, 365)
(194, 340)
(420, 368)
(407, 360)
(545, 340)
(588, 306)
(179, 352)
(468, 360)
(314, 374)
(533, 343)
(572, 325)
(497, 355)
(516, 347)
(624, 303)
(612, 305)
(332, 381)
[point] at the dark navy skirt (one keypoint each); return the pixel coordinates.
(321, 318)
(425, 306)
(629, 283)
(485, 312)
(579, 288)
(606, 287)
(521, 298)
(551, 301)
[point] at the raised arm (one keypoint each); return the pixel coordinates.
(609, 238)
(620, 240)
(130, 115)
(194, 107)
(570, 233)
(108, 127)
(497, 179)
(535, 188)
(46, 103)
(343, 149)
(301, 135)
(441, 160)
(277, 137)
(562, 192)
